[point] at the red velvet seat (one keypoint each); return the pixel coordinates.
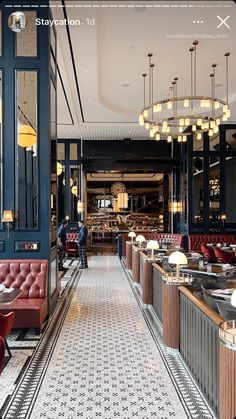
(6, 324)
(2, 353)
(174, 239)
(208, 252)
(222, 256)
(195, 240)
(72, 248)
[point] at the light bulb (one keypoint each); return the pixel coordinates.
(169, 105)
(206, 125)
(179, 138)
(181, 129)
(165, 124)
(145, 113)
(210, 132)
(225, 108)
(158, 137)
(224, 117)
(184, 138)
(212, 124)
(194, 128)
(155, 108)
(155, 128)
(207, 103)
(218, 121)
(203, 103)
(147, 125)
(168, 129)
(141, 120)
(217, 104)
(216, 129)
(186, 103)
(187, 121)
(228, 113)
(163, 130)
(199, 121)
(151, 133)
(159, 107)
(181, 122)
(169, 139)
(199, 136)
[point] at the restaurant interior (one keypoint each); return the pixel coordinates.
(121, 115)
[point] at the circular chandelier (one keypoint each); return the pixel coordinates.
(182, 116)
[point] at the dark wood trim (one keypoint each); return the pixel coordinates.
(227, 383)
(147, 286)
(128, 260)
(135, 264)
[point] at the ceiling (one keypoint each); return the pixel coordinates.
(124, 177)
(100, 91)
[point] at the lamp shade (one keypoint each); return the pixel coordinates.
(122, 200)
(59, 168)
(233, 298)
(132, 234)
(74, 190)
(26, 136)
(7, 216)
(153, 245)
(140, 238)
(178, 258)
(80, 206)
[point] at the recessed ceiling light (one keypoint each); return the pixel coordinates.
(86, 70)
(218, 85)
(125, 85)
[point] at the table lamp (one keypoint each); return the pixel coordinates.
(140, 239)
(152, 245)
(8, 218)
(132, 234)
(178, 258)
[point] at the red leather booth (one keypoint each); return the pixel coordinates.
(195, 240)
(175, 239)
(30, 276)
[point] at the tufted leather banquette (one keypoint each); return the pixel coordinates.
(175, 239)
(71, 237)
(195, 240)
(31, 277)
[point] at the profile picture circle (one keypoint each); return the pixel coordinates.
(17, 21)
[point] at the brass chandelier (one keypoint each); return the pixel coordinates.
(182, 116)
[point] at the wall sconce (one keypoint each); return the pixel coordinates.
(67, 217)
(8, 217)
(175, 206)
(80, 206)
(223, 218)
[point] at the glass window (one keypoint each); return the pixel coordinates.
(26, 150)
(60, 151)
(230, 190)
(230, 135)
(74, 187)
(1, 180)
(197, 143)
(53, 49)
(214, 189)
(198, 189)
(53, 165)
(73, 151)
(26, 40)
(214, 143)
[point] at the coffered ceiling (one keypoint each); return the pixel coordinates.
(101, 61)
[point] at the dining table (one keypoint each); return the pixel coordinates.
(9, 295)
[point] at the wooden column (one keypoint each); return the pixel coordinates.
(170, 315)
(227, 383)
(128, 260)
(135, 264)
(147, 282)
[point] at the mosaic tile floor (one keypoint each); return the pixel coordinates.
(98, 358)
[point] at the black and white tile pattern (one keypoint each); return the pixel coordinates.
(99, 358)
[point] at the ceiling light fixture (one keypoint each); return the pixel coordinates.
(185, 114)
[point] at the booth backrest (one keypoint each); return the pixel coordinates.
(195, 240)
(71, 237)
(175, 239)
(28, 275)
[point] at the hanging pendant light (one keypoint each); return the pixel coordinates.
(26, 136)
(59, 168)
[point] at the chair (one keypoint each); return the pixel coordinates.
(2, 353)
(6, 323)
(208, 252)
(72, 248)
(222, 256)
(226, 310)
(211, 301)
